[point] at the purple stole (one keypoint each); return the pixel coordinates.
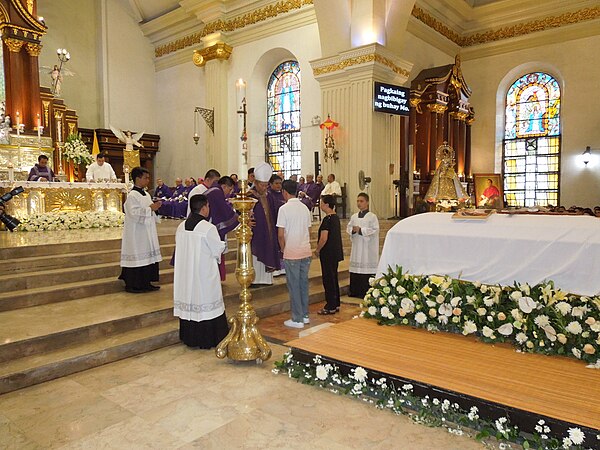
(265, 245)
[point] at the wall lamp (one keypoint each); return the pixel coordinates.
(586, 156)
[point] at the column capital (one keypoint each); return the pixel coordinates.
(14, 45)
(219, 51)
(34, 49)
(374, 59)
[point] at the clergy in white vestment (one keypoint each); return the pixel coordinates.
(197, 294)
(140, 250)
(100, 170)
(363, 229)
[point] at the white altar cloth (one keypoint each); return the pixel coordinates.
(500, 250)
(62, 185)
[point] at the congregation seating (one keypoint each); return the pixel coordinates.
(340, 202)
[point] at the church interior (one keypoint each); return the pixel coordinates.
(471, 125)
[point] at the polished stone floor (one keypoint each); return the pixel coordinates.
(182, 398)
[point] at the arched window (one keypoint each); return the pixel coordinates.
(282, 140)
(531, 152)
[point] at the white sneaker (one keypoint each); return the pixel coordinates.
(290, 323)
(306, 319)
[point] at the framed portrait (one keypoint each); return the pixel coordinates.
(488, 190)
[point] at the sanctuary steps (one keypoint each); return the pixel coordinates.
(62, 311)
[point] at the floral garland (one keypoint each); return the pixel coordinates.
(424, 410)
(537, 319)
(75, 150)
(71, 220)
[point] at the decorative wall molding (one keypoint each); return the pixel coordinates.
(220, 51)
(256, 16)
(507, 32)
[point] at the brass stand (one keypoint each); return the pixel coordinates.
(244, 342)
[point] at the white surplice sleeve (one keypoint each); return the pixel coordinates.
(214, 243)
(372, 225)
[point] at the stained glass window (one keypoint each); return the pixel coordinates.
(282, 140)
(531, 153)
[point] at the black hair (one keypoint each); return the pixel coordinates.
(250, 170)
(228, 181)
(290, 186)
(212, 173)
(364, 195)
(138, 172)
(328, 200)
(197, 202)
(274, 178)
(100, 155)
(42, 157)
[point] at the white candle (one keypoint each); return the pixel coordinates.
(39, 126)
(241, 110)
(18, 124)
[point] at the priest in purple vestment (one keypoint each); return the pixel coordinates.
(41, 171)
(162, 190)
(265, 245)
(179, 188)
(310, 192)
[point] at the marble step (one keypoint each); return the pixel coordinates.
(102, 349)
(38, 329)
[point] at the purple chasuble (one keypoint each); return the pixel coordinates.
(163, 191)
(178, 191)
(38, 172)
(222, 214)
(265, 245)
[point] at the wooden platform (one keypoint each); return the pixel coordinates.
(553, 387)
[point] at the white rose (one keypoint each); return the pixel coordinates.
(574, 327)
(469, 327)
(516, 314)
(372, 310)
(400, 290)
(375, 293)
(483, 288)
(481, 311)
(516, 295)
(385, 311)
(394, 281)
(440, 299)
(488, 332)
(506, 329)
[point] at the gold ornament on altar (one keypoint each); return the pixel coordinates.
(244, 342)
(445, 186)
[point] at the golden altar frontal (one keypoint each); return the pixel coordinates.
(44, 196)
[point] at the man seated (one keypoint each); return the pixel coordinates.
(310, 192)
(100, 170)
(162, 190)
(332, 187)
(41, 171)
(179, 188)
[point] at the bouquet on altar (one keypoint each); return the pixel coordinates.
(74, 149)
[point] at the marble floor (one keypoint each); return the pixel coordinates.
(182, 398)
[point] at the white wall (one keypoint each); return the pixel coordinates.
(74, 25)
(580, 81)
(129, 93)
(178, 90)
(255, 62)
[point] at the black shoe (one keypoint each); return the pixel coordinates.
(153, 288)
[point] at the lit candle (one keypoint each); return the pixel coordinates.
(241, 110)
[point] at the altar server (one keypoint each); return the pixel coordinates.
(140, 250)
(265, 246)
(197, 294)
(41, 171)
(363, 228)
(100, 170)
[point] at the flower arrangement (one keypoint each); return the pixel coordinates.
(75, 150)
(540, 319)
(71, 220)
(401, 399)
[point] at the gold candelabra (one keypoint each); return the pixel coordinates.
(244, 342)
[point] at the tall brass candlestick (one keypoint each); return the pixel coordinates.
(244, 342)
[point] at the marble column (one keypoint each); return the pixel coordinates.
(366, 140)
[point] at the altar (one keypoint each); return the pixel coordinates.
(500, 250)
(43, 196)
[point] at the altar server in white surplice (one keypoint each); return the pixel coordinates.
(197, 294)
(363, 229)
(140, 250)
